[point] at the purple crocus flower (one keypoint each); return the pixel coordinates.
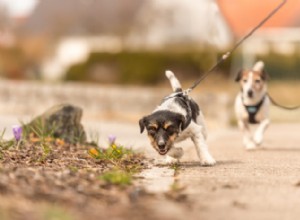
(111, 139)
(17, 131)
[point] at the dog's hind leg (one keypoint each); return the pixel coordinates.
(176, 86)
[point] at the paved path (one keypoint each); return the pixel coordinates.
(262, 184)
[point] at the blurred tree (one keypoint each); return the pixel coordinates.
(54, 19)
(58, 18)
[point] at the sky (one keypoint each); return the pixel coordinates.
(19, 7)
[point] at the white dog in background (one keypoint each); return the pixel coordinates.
(252, 104)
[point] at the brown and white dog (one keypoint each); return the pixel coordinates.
(177, 118)
(252, 104)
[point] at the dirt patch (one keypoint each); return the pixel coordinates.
(64, 181)
(61, 177)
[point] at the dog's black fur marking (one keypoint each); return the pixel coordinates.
(265, 75)
(160, 118)
(189, 105)
(239, 76)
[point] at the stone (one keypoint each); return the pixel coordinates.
(61, 121)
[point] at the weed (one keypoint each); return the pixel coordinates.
(94, 138)
(176, 187)
(122, 160)
(175, 167)
(117, 177)
(114, 154)
(2, 134)
(3, 143)
(39, 131)
(56, 213)
(78, 139)
(38, 134)
(73, 169)
(46, 151)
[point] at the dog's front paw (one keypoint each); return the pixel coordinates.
(171, 160)
(208, 161)
(258, 139)
(250, 145)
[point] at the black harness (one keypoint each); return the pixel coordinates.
(252, 110)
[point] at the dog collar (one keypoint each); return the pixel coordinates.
(252, 110)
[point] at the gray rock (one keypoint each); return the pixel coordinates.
(61, 121)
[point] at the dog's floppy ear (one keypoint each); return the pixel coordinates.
(239, 75)
(142, 124)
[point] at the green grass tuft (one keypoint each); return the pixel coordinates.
(117, 177)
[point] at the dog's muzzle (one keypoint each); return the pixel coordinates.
(162, 148)
(250, 93)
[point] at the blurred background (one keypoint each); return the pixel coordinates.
(109, 56)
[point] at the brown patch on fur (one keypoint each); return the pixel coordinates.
(152, 141)
(169, 142)
(246, 73)
(153, 125)
(257, 79)
(172, 138)
(167, 124)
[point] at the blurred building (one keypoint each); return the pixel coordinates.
(161, 24)
(280, 34)
(113, 25)
(57, 34)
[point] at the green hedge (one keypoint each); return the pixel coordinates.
(280, 66)
(142, 67)
(149, 67)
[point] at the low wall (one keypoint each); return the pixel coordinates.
(31, 98)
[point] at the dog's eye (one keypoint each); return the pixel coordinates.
(244, 81)
(171, 130)
(257, 81)
(151, 130)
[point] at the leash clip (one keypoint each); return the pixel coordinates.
(186, 92)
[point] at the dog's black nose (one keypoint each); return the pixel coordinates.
(250, 93)
(161, 146)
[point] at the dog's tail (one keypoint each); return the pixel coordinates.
(258, 66)
(176, 86)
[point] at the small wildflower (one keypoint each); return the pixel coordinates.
(17, 131)
(33, 139)
(112, 139)
(48, 139)
(94, 152)
(114, 146)
(60, 142)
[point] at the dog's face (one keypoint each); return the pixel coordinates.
(253, 83)
(163, 128)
